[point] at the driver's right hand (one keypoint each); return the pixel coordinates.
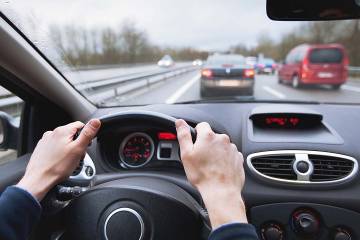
(215, 167)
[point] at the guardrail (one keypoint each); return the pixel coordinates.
(99, 90)
(354, 71)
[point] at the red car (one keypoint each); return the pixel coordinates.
(315, 64)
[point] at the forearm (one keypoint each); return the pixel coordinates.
(224, 205)
(38, 185)
(19, 212)
(227, 214)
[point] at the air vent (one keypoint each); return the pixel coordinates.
(277, 166)
(85, 170)
(303, 167)
(78, 168)
(328, 168)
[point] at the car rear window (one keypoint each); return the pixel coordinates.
(330, 55)
(227, 60)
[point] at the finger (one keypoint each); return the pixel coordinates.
(47, 133)
(224, 138)
(88, 132)
(204, 131)
(72, 128)
(184, 137)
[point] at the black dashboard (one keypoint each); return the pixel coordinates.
(316, 198)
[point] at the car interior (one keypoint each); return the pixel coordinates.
(301, 157)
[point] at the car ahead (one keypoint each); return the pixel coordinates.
(266, 66)
(166, 61)
(251, 61)
(227, 75)
(197, 62)
(315, 64)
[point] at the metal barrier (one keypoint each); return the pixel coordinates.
(354, 71)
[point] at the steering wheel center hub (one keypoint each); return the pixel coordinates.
(124, 223)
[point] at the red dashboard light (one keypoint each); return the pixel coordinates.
(166, 136)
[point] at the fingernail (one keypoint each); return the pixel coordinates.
(95, 123)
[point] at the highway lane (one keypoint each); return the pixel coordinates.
(187, 88)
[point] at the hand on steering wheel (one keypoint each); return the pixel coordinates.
(215, 167)
(56, 156)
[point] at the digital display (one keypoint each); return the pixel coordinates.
(282, 121)
(286, 121)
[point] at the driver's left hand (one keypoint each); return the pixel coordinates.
(56, 156)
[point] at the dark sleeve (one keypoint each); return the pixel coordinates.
(234, 231)
(19, 212)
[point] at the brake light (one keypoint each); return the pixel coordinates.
(166, 136)
(249, 73)
(206, 73)
(346, 62)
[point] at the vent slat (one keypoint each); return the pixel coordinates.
(78, 168)
(277, 166)
(329, 168)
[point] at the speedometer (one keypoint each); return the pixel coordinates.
(136, 150)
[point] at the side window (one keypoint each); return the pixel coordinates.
(299, 55)
(292, 56)
(10, 110)
(288, 58)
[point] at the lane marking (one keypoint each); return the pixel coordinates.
(350, 88)
(274, 92)
(172, 99)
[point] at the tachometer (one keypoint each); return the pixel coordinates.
(136, 150)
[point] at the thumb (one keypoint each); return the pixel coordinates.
(88, 132)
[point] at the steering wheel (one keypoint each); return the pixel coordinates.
(137, 207)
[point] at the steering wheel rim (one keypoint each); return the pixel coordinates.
(157, 118)
(176, 195)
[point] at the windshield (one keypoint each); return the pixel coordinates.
(137, 52)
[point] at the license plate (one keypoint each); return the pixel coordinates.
(325, 75)
(231, 83)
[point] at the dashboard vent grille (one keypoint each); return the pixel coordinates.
(302, 167)
(78, 168)
(278, 166)
(327, 168)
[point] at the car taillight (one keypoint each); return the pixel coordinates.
(346, 63)
(249, 73)
(206, 73)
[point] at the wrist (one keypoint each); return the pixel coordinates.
(224, 205)
(37, 186)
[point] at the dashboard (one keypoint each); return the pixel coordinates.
(301, 167)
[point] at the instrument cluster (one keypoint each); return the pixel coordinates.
(141, 149)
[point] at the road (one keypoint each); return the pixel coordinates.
(187, 88)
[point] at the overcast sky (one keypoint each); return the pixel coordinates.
(204, 24)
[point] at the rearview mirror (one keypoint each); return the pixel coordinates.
(9, 128)
(310, 10)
